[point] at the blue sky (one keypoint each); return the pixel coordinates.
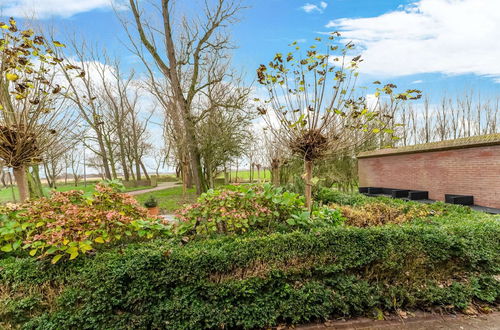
(439, 46)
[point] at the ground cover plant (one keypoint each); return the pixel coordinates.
(294, 271)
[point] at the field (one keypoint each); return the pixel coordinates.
(265, 175)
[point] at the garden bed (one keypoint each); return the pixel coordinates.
(262, 278)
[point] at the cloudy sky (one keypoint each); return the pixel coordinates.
(435, 45)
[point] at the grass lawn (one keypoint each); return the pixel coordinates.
(6, 195)
(169, 199)
(245, 175)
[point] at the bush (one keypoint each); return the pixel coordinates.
(254, 281)
(319, 217)
(151, 202)
(239, 208)
(68, 224)
(378, 213)
(329, 196)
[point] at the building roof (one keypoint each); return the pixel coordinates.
(462, 143)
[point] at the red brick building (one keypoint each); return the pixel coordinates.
(468, 166)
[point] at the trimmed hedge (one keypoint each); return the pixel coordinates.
(257, 281)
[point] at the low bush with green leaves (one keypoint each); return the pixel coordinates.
(240, 208)
(255, 281)
(328, 196)
(69, 224)
(320, 217)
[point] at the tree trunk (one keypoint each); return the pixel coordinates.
(308, 168)
(131, 171)
(138, 170)
(236, 175)
(2, 178)
(104, 156)
(226, 176)
(194, 156)
(48, 177)
(178, 171)
(22, 182)
(34, 182)
(112, 163)
(144, 170)
(184, 173)
(12, 188)
(189, 173)
(123, 159)
(275, 173)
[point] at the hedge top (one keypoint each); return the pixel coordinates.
(467, 142)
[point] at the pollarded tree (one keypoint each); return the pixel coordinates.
(314, 106)
(31, 120)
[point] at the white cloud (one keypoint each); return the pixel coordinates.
(53, 8)
(417, 81)
(429, 36)
(309, 7)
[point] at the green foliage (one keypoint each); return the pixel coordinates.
(68, 224)
(115, 185)
(329, 196)
(321, 217)
(252, 281)
(151, 202)
(239, 208)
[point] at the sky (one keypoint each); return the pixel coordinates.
(442, 47)
(438, 46)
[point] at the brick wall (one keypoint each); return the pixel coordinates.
(473, 170)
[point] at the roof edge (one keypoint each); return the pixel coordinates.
(462, 143)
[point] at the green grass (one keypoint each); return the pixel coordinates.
(6, 195)
(245, 175)
(169, 199)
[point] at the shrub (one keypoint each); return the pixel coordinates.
(254, 281)
(328, 196)
(320, 217)
(239, 208)
(69, 224)
(151, 202)
(378, 213)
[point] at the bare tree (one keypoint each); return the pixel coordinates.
(191, 46)
(74, 160)
(84, 91)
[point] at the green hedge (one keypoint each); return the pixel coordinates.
(257, 281)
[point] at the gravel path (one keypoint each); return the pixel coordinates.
(161, 186)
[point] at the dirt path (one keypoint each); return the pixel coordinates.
(161, 186)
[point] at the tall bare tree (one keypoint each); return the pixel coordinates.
(184, 50)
